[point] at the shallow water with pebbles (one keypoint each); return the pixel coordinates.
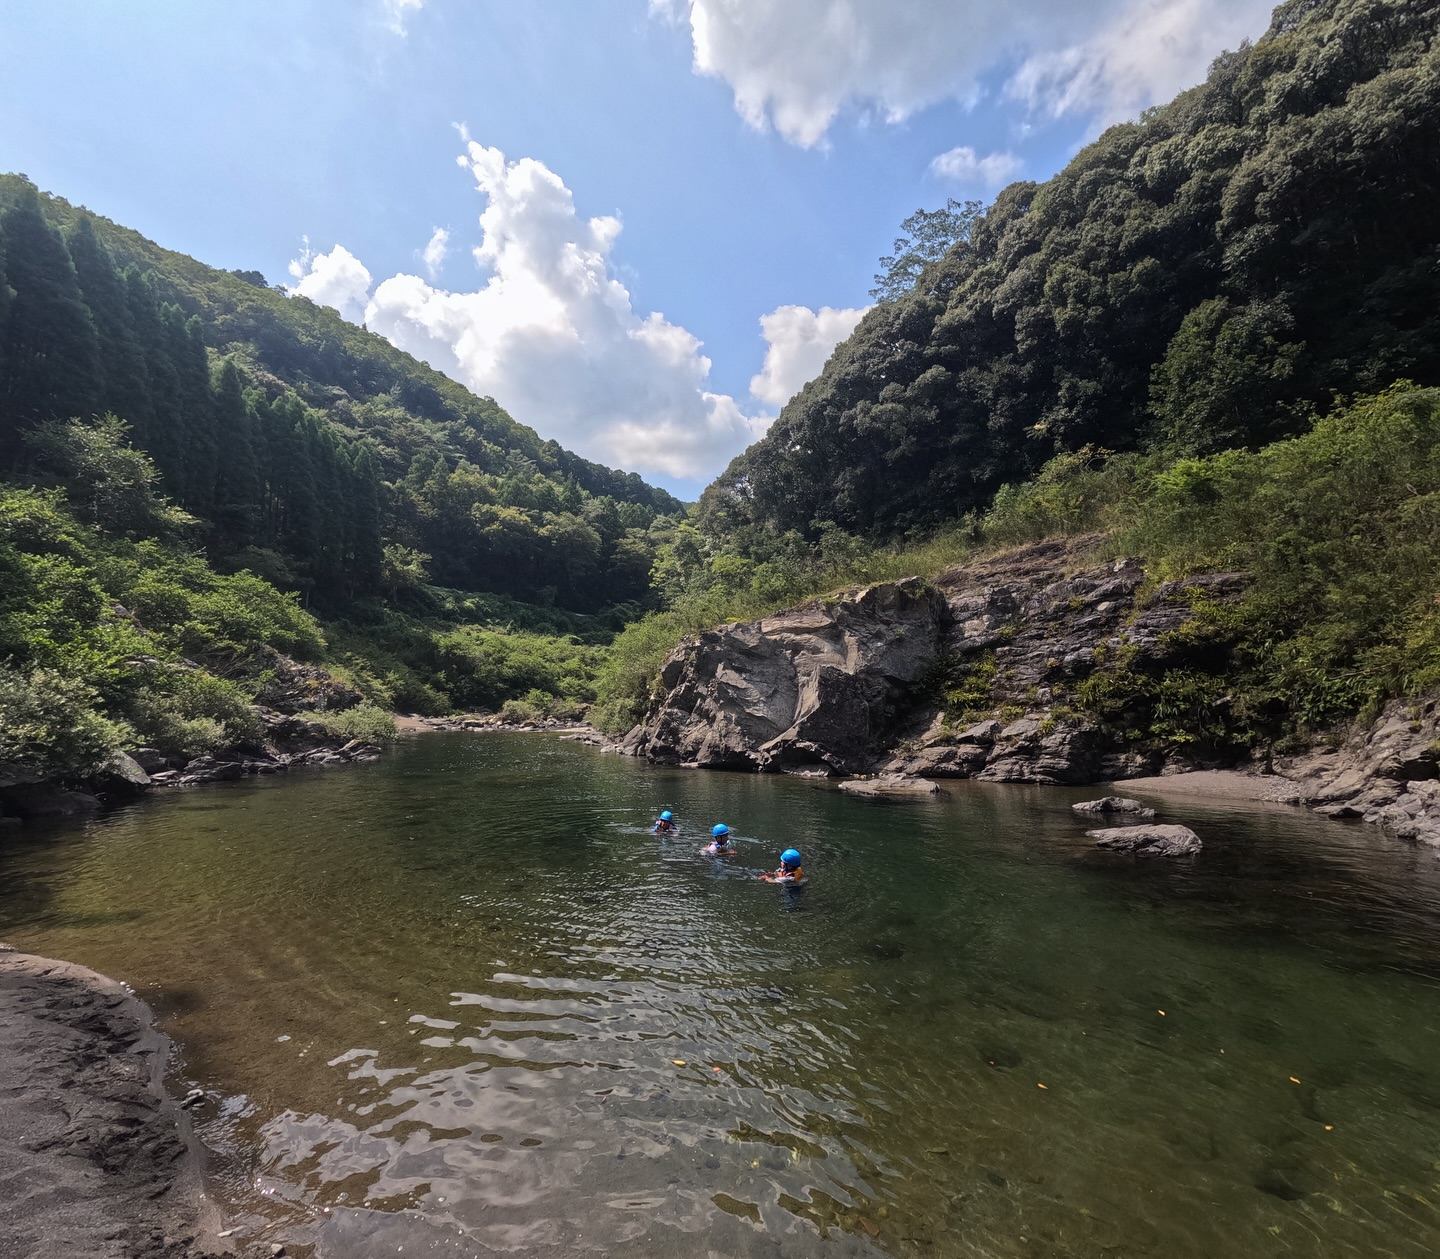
(459, 1001)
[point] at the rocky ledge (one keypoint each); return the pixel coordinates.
(858, 683)
(980, 674)
(96, 1161)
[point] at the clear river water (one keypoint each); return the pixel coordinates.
(460, 1001)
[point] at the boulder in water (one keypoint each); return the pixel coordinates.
(40, 801)
(1113, 804)
(1148, 841)
(889, 785)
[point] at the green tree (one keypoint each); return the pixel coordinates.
(52, 361)
(1220, 369)
(111, 485)
(236, 509)
(367, 546)
(125, 385)
(928, 236)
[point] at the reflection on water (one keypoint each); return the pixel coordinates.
(460, 999)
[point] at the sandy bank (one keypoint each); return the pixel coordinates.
(1214, 784)
(96, 1160)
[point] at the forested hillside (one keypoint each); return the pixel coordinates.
(304, 444)
(201, 476)
(1205, 278)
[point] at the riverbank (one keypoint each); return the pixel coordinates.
(96, 1160)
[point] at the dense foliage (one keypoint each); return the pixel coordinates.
(107, 639)
(194, 467)
(1204, 278)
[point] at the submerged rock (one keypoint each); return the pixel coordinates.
(1114, 804)
(1148, 841)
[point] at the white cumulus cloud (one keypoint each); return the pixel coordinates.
(963, 165)
(552, 335)
(337, 279)
(798, 341)
(795, 64)
(435, 250)
(1151, 50)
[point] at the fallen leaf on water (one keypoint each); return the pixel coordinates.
(679, 1062)
(868, 1226)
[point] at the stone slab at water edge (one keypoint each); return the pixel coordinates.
(96, 1161)
(889, 785)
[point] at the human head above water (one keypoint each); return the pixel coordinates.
(720, 830)
(790, 858)
(666, 815)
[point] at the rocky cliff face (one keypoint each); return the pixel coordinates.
(1387, 773)
(983, 674)
(858, 683)
(815, 689)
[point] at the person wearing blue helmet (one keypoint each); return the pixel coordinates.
(665, 823)
(719, 845)
(790, 871)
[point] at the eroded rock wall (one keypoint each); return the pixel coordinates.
(818, 688)
(855, 684)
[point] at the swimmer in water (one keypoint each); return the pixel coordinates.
(790, 871)
(664, 824)
(719, 845)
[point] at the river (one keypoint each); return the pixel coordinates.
(461, 999)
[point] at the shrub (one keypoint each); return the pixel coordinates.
(1073, 493)
(365, 721)
(189, 711)
(49, 727)
(518, 711)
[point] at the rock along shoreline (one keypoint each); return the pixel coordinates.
(97, 1161)
(846, 687)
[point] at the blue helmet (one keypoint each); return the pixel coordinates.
(719, 829)
(790, 857)
(667, 816)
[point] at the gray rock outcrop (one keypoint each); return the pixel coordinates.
(819, 686)
(851, 684)
(1387, 773)
(1148, 841)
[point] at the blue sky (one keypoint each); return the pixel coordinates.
(756, 157)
